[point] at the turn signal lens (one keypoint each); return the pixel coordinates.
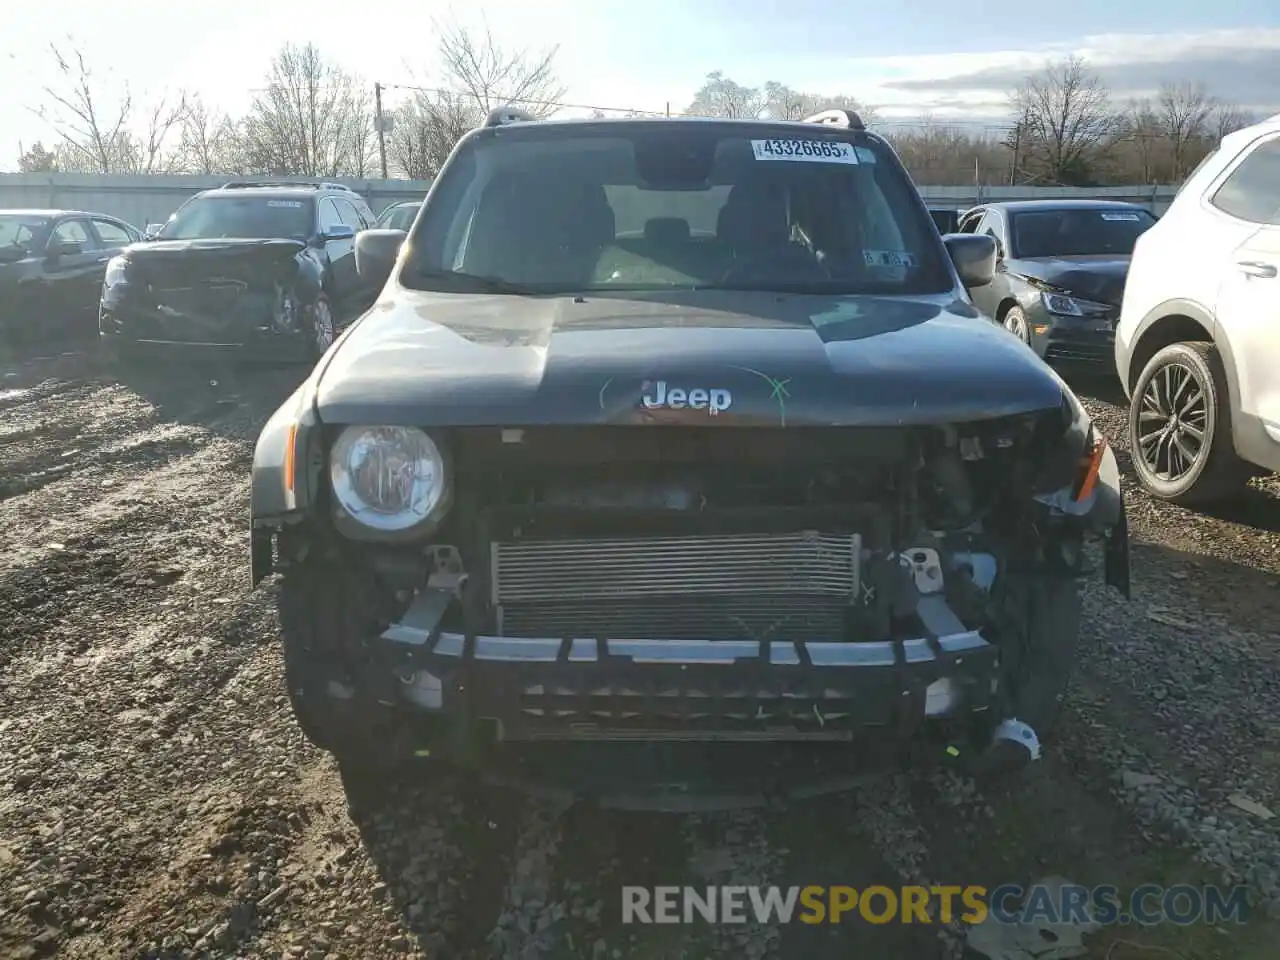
(1090, 464)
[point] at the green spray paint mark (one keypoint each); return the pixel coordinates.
(778, 391)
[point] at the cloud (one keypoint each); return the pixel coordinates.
(1238, 66)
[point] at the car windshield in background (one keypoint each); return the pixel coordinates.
(1078, 233)
(399, 218)
(21, 235)
(700, 207)
(243, 218)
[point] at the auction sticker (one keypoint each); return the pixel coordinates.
(889, 258)
(1130, 217)
(805, 151)
(295, 204)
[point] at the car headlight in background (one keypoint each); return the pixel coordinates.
(116, 269)
(388, 479)
(1065, 306)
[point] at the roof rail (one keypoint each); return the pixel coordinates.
(837, 118)
(323, 185)
(501, 116)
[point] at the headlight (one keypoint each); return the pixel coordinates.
(116, 269)
(1065, 306)
(389, 479)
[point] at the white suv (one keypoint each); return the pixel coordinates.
(1198, 342)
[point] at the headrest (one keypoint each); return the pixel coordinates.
(666, 231)
(754, 215)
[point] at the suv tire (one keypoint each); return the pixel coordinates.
(323, 328)
(1041, 671)
(1015, 321)
(1199, 403)
(319, 612)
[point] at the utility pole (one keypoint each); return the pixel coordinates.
(1017, 144)
(380, 123)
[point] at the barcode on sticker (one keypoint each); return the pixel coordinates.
(1132, 217)
(296, 204)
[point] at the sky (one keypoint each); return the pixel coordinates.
(905, 58)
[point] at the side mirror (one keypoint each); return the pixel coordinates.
(152, 231)
(974, 257)
(62, 248)
(339, 231)
(376, 252)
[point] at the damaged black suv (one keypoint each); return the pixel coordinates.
(250, 270)
(674, 460)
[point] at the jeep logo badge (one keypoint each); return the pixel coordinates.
(658, 396)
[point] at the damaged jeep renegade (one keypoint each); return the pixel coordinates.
(673, 462)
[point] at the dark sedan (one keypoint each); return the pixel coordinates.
(1060, 272)
(51, 267)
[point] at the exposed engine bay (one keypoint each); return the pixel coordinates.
(740, 534)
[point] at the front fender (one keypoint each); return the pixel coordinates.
(283, 474)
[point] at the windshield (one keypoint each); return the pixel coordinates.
(1078, 233)
(399, 217)
(248, 218)
(663, 207)
(21, 234)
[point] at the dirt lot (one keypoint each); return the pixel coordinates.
(157, 800)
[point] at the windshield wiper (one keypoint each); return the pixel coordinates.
(472, 282)
(817, 288)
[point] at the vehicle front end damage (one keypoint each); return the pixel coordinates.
(749, 611)
(247, 297)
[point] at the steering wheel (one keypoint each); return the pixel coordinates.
(793, 264)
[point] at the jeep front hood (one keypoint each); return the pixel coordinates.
(716, 358)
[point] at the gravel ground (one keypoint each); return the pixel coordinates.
(156, 799)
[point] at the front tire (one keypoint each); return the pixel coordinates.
(324, 329)
(1040, 666)
(322, 607)
(1015, 321)
(1180, 426)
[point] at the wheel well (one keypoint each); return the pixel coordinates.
(1176, 328)
(1004, 307)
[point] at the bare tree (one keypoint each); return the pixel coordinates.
(780, 102)
(310, 119)
(1066, 119)
(163, 118)
(1228, 119)
(426, 130)
(477, 74)
(1185, 111)
(1142, 130)
(93, 133)
(492, 75)
(937, 153)
(37, 160)
(208, 140)
(721, 97)
(96, 129)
